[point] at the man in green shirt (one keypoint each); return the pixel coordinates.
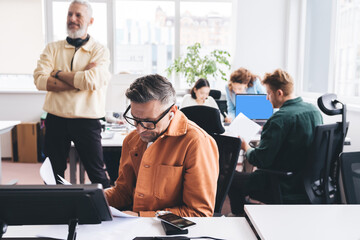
(284, 145)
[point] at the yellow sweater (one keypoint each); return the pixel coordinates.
(88, 101)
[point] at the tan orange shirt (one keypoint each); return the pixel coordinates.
(88, 100)
(177, 173)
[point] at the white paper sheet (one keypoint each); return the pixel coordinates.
(46, 172)
(117, 213)
(63, 180)
(243, 127)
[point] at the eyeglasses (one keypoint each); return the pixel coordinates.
(147, 124)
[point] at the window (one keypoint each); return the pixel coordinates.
(347, 63)
(146, 34)
(208, 23)
(317, 46)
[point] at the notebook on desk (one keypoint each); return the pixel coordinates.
(254, 106)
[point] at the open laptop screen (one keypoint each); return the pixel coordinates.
(254, 106)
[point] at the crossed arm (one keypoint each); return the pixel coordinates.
(64, 80)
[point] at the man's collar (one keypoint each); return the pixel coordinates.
(178, 125)
(86, 46)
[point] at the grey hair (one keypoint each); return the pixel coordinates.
(151, 87)
(85, 3)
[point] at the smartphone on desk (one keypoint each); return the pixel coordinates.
(176, 220)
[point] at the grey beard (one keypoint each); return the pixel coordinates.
(77, 34)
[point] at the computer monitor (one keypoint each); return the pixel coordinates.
(53, 204)
(253, 106)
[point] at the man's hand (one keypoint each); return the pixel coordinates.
(91, 65)
(131, 213)
(244, 145)
(227, 120)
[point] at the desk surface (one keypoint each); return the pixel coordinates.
(305, 221)
(229, 228)
(6, 126)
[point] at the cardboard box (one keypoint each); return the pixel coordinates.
(25, 143)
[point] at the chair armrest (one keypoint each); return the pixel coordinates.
(276, 172)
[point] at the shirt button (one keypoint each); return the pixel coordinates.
(141, 195)
(146, 166)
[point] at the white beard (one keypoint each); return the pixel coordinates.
(76, 34)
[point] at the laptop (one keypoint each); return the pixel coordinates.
(254, 106)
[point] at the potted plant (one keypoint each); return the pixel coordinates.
(195, 66)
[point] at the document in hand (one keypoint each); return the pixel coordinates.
(243, 127)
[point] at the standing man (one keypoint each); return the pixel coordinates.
(285, 144)
(75, 74)
(168, 163)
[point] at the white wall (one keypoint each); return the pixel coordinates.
(19, 24)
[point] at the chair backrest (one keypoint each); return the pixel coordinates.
(321, 175)
(350, 172)
(222, 104)
(208, 118)
(216, 94)
(229, 149)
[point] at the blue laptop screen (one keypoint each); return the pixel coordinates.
(254, 106)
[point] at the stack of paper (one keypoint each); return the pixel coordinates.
(243, 127)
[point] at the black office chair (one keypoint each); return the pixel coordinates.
(321, 172)
(229, 149)
(208, 118)
(350, 173)
(216, 94)
(222, 104)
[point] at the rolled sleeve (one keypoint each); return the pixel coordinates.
(45, 66)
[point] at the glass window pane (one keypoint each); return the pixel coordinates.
(98, 30)
(347, 70)
(208, 23)
(317, 46)
(144, 36)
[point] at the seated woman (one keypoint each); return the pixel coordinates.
(241, 81)
(199, 95)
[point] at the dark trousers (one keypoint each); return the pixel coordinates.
(247, 184)
(85, 133)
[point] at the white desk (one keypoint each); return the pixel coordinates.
(115, 142)
(305, 221)
(229, 228)
(6, 126)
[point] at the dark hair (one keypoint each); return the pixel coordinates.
(279, 79)
(151, 87)
(242, 76)
(201, 82)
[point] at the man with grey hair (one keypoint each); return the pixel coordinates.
(168, 163)
(75, 74)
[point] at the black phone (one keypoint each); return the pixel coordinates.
(176, 220)
(171, 230)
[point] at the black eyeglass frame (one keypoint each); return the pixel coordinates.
(131, 120)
